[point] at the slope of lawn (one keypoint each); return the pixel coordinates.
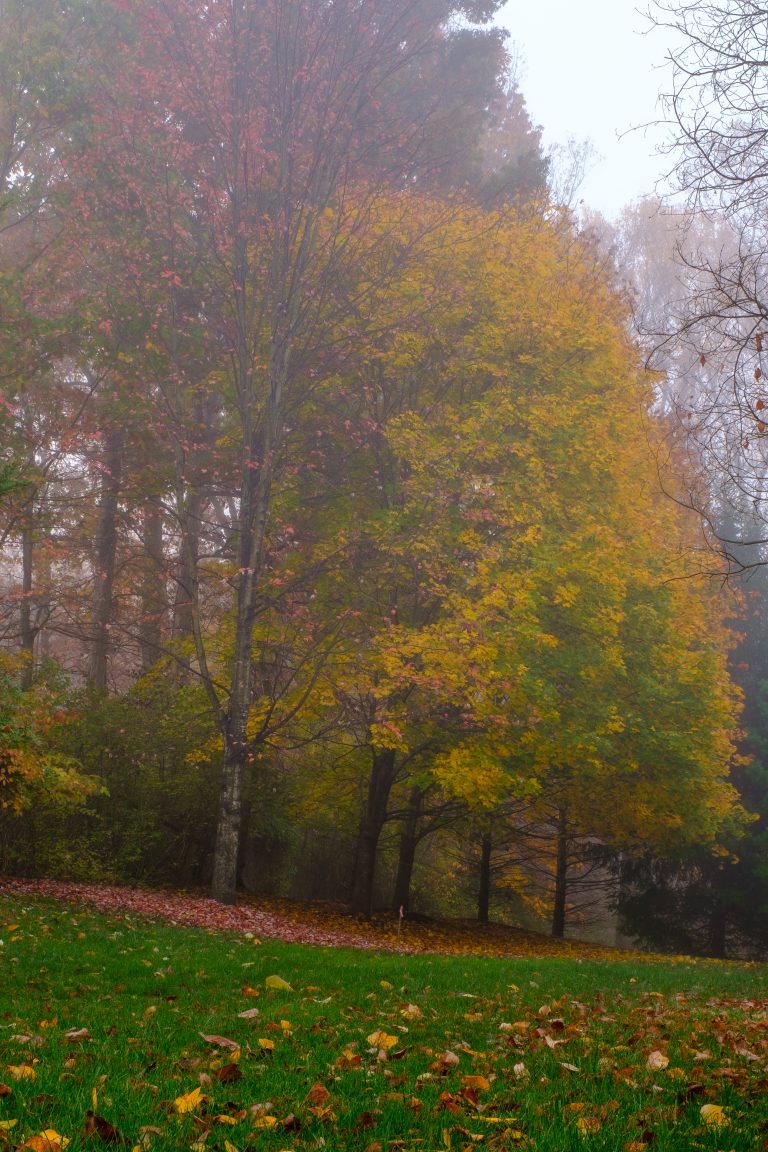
(154, 1036)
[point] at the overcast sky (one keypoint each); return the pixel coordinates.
(587, 70)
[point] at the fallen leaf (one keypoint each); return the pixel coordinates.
(22, 1072)
(380, 1039)
(47, 1141)
(249, 1014)
(318, 1096)
(714, 1115)
(189, 1101)
(265, 1122)
(97, 1125)
(219, 1041)
(479, 1083)
(228, 1074)
(278, 984)
(657, 1061)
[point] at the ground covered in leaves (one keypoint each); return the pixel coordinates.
(118, 1031)
(305, 923)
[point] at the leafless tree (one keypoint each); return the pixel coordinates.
(718, 108)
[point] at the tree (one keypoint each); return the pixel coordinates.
(31, 768)
(519, 626)
(245, 147)
(719, 114)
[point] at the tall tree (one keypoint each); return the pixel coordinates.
(248, 145)
(717, 107)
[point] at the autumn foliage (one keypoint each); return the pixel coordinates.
(337, 490)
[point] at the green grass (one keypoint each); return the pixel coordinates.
(145, 992)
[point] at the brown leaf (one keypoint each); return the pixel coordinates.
(291, 1123)
(97, 1125)
(220, 1041)
(228, 1074)
(76, 1034)
(448, 1102)
(5, 1090)
(318, 1096)
(47, 1141)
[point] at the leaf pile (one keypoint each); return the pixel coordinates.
(306, 923)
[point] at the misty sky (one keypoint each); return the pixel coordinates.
(587, 70)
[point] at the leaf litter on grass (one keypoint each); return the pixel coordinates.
(415, 1053)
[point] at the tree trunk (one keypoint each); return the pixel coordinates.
(718, 923)
(186, 574)
(105, 558)
(26, 626)
(718, 918)
(382, 778)
(153, 595)
(484, 895)
(409, 839)
(561, 876)
(229, 827)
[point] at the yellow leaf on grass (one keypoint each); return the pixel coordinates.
(46, 1141)
(22, 1072)
(265, 1122)
(278, 984)
(495, 1119)
(226, 1119)
(266, 1045)
(230, 1147)
(53, 1137)
(189, 1101)
(381, 1039)
(714, 1114)
(6, 1125)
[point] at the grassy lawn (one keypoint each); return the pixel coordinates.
(101, 1022)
